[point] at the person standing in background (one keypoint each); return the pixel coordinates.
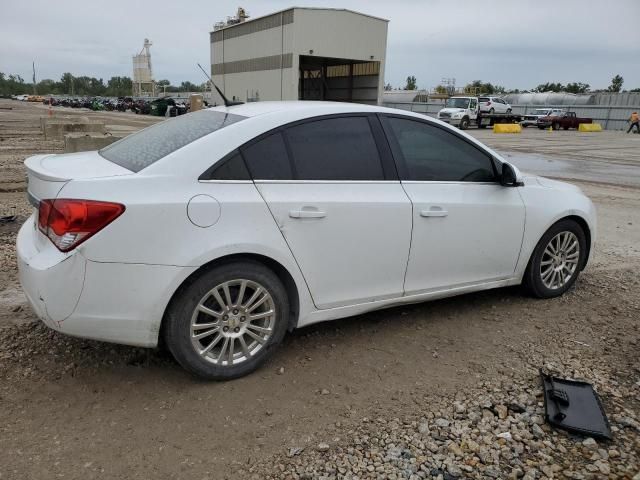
(634, 120)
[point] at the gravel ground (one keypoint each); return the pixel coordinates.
(444, 390)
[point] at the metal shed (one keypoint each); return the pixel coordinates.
(301, 54)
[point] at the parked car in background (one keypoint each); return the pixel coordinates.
(22, 98)
(494, 105)
(220, 230)
(531, 119)
(565, 121)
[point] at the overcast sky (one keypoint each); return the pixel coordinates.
(517, 44)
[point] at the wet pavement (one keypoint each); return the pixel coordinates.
(573, 169)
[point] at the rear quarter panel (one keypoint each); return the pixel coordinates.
(155, 228)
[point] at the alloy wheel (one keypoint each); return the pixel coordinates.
(232, 322)
(559, 261)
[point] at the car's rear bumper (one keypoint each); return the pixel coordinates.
(114, 302)
(52, 281)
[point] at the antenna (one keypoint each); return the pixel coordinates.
(226, 101)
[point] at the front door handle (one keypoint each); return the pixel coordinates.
(307, 213)
(434, 212)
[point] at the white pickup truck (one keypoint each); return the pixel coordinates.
(531, 119)
(462, 112)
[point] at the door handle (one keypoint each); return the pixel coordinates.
(434, 212)
(307, 213)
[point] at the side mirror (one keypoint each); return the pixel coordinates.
(508, 176)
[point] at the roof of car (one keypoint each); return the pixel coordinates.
(254, 109)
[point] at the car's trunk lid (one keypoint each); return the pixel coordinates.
(47, 174)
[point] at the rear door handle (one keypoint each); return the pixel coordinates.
(434, 212)
(307, 213)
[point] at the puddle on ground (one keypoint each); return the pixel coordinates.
(587, 170)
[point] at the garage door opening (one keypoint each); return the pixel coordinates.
(338, 80)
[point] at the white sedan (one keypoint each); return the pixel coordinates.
(221, 230)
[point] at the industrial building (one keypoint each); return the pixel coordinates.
(301, 54)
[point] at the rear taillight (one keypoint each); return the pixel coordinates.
(69, 222)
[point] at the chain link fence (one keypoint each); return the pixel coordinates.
(609, 116)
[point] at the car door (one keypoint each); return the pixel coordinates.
(467, 228)
(331, 186)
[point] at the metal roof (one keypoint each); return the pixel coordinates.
(548, 98)
(226, 27)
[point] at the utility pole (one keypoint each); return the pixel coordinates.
(34, 78)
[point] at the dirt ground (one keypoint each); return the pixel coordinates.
(72, 408)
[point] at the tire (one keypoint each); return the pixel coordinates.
(508, 111)
(492, 111)
(540, 279)
(565, 128)
(540, 127)
(464, 123)
(227, 358)
(556, 126)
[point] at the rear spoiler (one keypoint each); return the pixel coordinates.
(35, 168)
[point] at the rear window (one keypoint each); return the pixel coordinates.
(147, 146)
(335, 149)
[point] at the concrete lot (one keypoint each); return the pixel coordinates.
(603, 157)
(421, 390)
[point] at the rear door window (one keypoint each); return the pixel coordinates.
(267, 158)
(340, 148)
(147, 146)
(231, 167)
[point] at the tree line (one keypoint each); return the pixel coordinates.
(488, 88)
(12, 84)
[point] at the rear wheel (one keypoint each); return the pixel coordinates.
(228, 321)
(492, 111)
(556, 261)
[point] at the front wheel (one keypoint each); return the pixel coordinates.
(557, 260)
(556, 126)
(464, 123)
(228, 321)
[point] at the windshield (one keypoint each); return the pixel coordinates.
(457, 103)
(141, 149)
(542, 111)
